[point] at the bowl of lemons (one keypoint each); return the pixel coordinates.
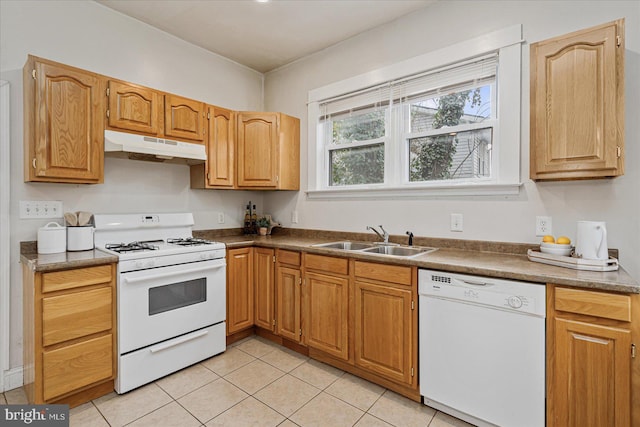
(560, 246)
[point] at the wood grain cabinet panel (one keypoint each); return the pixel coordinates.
(268, 149)
(240, 293)
(384, 331)
(64, 123)
(76, 278)
(69, 334)
(264, 261)
(593, 375)
(70, 316)
(133, 107)
(184, 118)
(328, 314)
(288, 303)
(72, 367)
(219, 170)
(577, 104)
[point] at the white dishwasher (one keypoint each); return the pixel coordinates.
(482, 348)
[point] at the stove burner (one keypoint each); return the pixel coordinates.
(131, 247)
(190, 241)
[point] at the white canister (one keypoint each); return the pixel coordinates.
(591, 240)
(52, 239)
(80, 238)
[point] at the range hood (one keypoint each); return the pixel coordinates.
(140, 147)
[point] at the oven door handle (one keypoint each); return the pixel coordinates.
(178, 341)
(169, 274)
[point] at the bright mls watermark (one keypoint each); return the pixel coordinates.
(35, 415)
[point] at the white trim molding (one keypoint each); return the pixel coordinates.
(13, 378)
(505, 178)
(5, 256)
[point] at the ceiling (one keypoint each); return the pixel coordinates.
(265, 35)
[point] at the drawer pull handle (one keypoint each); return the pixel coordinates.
(178, 341)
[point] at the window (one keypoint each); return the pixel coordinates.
(447, 129)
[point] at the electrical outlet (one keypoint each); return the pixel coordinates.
(456, 222)
(543, 226)
(40, 209)
(294, 217)
(220, 217)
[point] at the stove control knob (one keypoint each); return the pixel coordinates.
(203, 256)
(138, 264)
(515, 302)
(151, 263)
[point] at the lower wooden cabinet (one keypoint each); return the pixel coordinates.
(328, 314)
(69, 334)
(289, 303)
(592, 377)
(385, 321)
(240, 293)
(264, 262)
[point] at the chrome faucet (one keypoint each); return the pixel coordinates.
(384, 236)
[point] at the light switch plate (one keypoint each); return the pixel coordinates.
(40, 209)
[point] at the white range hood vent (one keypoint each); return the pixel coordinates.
(140, 147)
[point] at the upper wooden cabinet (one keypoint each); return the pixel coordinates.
(219, 171)
(184, 118)
(133, 107)
(268, 149)
(63, 123)
(577, 104)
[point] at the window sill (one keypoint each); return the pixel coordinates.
(424, 192)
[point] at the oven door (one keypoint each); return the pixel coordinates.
(161, 303)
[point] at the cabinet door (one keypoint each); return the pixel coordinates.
(288, 282)
(68, 140)
(577, 104)
(184, 118)
(133, 107)
(221, 154)
(328, 314)
(69, 368)
(592, 375)
(239, 289)
(257, 138)
(383, 331)
(264, 287)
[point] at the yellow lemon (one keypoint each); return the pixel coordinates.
(563, 240)
(548, 239)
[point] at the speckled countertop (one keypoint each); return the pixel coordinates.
(494, 259)
(62, 261)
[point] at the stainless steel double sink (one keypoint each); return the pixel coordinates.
(388, 249)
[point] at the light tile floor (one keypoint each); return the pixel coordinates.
(255, 383)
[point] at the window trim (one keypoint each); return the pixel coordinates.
(505, 179)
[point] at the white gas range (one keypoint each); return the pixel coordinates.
(171, 294)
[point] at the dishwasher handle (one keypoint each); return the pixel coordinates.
(475, 283)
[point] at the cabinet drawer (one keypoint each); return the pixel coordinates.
(326, 263)
(76, 315)
(69, 279)
(600, 304)
(386, 273)
(288, 257)
(70, 368)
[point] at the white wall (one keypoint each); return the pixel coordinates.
(512, 219)
(90, 36)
